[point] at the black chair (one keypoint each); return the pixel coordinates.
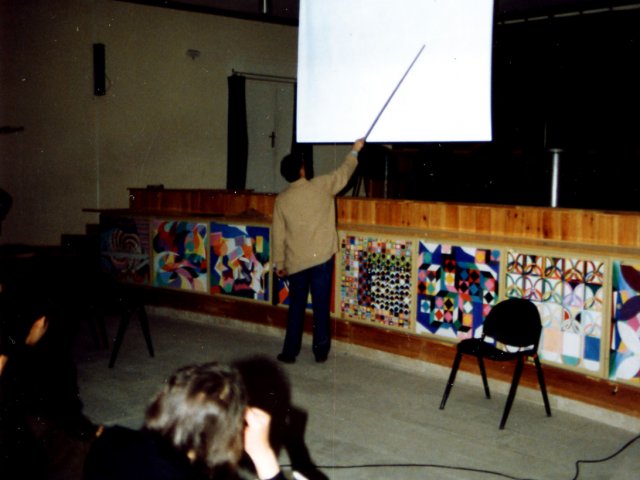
(130, 304)
(109, 297)
(514, 324)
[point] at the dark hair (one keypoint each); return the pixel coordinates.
(290, 167)
(200, 411)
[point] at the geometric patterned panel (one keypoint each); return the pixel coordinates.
(239, 256)
(457, 286)
(124, 249)
(180, 255)
(569, 294)
(375, 280)
(625, 326)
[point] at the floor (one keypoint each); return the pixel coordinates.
(368, 415)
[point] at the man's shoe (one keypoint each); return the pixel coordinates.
(286, 359)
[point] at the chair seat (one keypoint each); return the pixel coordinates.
(479, 347)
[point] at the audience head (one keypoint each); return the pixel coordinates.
(200, 411)
(290, 167)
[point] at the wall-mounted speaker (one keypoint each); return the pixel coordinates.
(99, 77)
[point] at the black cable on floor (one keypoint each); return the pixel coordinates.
(421, 465)
(469, 469)
(605, 459)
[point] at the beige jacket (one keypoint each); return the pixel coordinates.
(304, 219)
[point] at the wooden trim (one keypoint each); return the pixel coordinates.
(585, 228)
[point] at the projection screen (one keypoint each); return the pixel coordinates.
(354, 54)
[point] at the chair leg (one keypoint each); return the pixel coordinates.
(122, 328)
(543, 386)
(483, 372)
(144, 324)
(452, 378)
(512, 391)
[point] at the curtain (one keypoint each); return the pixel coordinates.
(237, 135)
(304, 149)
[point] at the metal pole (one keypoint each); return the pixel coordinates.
(555, 170)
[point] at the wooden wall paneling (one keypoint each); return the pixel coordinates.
(593, 227)
(469, 220)
(571, 226)
(628, 230)
(351, 210)
(550, 224)
(483, 219)
(440, 216)
(514, 223)
(402, 212)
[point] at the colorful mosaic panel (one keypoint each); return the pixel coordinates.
(180, 255)
(239, 260)
(375, 283)
(124, 249)
(625, 326)
(569, 294)
(457, 286)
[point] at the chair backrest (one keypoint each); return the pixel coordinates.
(514, 321)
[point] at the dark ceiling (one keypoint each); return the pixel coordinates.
(286, 11)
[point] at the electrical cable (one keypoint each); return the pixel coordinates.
(427, 465)
(418, 465)
(614, 454)
(469, 469)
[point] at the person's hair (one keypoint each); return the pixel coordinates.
(290, 167)
(200, 411)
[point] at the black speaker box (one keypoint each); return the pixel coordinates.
(99, 78)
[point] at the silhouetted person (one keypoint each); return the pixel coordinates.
(43, 431)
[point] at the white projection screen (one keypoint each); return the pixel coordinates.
(354, 54)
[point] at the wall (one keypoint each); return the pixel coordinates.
(162, 121)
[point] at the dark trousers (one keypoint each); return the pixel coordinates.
(316, 280)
